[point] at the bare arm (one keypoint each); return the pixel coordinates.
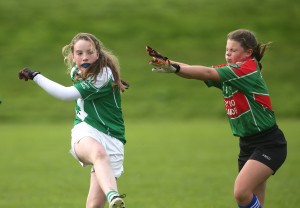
(197, 72)
(163, 64)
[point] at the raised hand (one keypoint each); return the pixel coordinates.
(27, 74)
(161, 63)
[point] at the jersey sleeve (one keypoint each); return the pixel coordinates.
(56, 90)
(210, 83)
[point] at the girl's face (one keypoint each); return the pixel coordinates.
(235, 52)
(84, 53)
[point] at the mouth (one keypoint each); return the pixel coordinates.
(228, 61)
(85, 65)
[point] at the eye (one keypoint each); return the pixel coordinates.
(231, 50)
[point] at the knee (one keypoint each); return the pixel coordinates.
(100, 154)
(242, 195)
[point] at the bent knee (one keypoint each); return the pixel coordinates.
(99, 154)
(242, 196)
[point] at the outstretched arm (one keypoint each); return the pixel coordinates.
(197, 72)
(57, 90)
(163, 64)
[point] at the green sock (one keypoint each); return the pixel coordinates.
(111, 194)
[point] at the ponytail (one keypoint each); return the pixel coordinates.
(259, 51)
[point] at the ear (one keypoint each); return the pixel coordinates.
(249, 52)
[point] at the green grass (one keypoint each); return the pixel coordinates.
(180, 163)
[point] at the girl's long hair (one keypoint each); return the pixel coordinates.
(106, 59)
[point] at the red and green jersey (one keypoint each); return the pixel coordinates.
(246, 97)
(100, 105)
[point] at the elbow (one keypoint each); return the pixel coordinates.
(63, 99)
(212, 75)
(66, 99)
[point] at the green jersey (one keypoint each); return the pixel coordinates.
(100, 104)
(246, 97)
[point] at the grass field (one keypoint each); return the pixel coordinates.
(178, 164)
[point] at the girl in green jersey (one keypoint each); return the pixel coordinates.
(263, 147)
(98, 135)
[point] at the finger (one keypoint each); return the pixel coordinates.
(126, 84)
(153, 52)
(23, 78)
(21, 75)
(156, 65)
(158, 61)
(149, 50)
(158, 70)
(155, 69)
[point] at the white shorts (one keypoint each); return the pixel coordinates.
(114, 147)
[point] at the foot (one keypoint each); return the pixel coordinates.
(117, 202)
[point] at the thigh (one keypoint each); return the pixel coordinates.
(252, 175)
(270, 149)
(272, 155)
(89, 143)
(87, 149)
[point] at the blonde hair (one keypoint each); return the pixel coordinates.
(106, 59)
(248, 41)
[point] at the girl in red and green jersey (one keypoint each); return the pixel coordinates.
(246, 98)
(263, 147)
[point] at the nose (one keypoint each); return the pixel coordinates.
(85, 57)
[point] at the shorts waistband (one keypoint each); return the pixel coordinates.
(260, 134)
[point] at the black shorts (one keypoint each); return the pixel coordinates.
(268, 147)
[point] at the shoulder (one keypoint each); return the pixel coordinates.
(249, 63)
(245, 68)
(219, 66)
(103, 78)
(73, 72)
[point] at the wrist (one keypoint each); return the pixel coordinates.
(33, 74)
(177, 67)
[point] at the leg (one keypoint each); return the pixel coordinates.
(260, 192)
(251, 179)
(90, 151)
(96, 198)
